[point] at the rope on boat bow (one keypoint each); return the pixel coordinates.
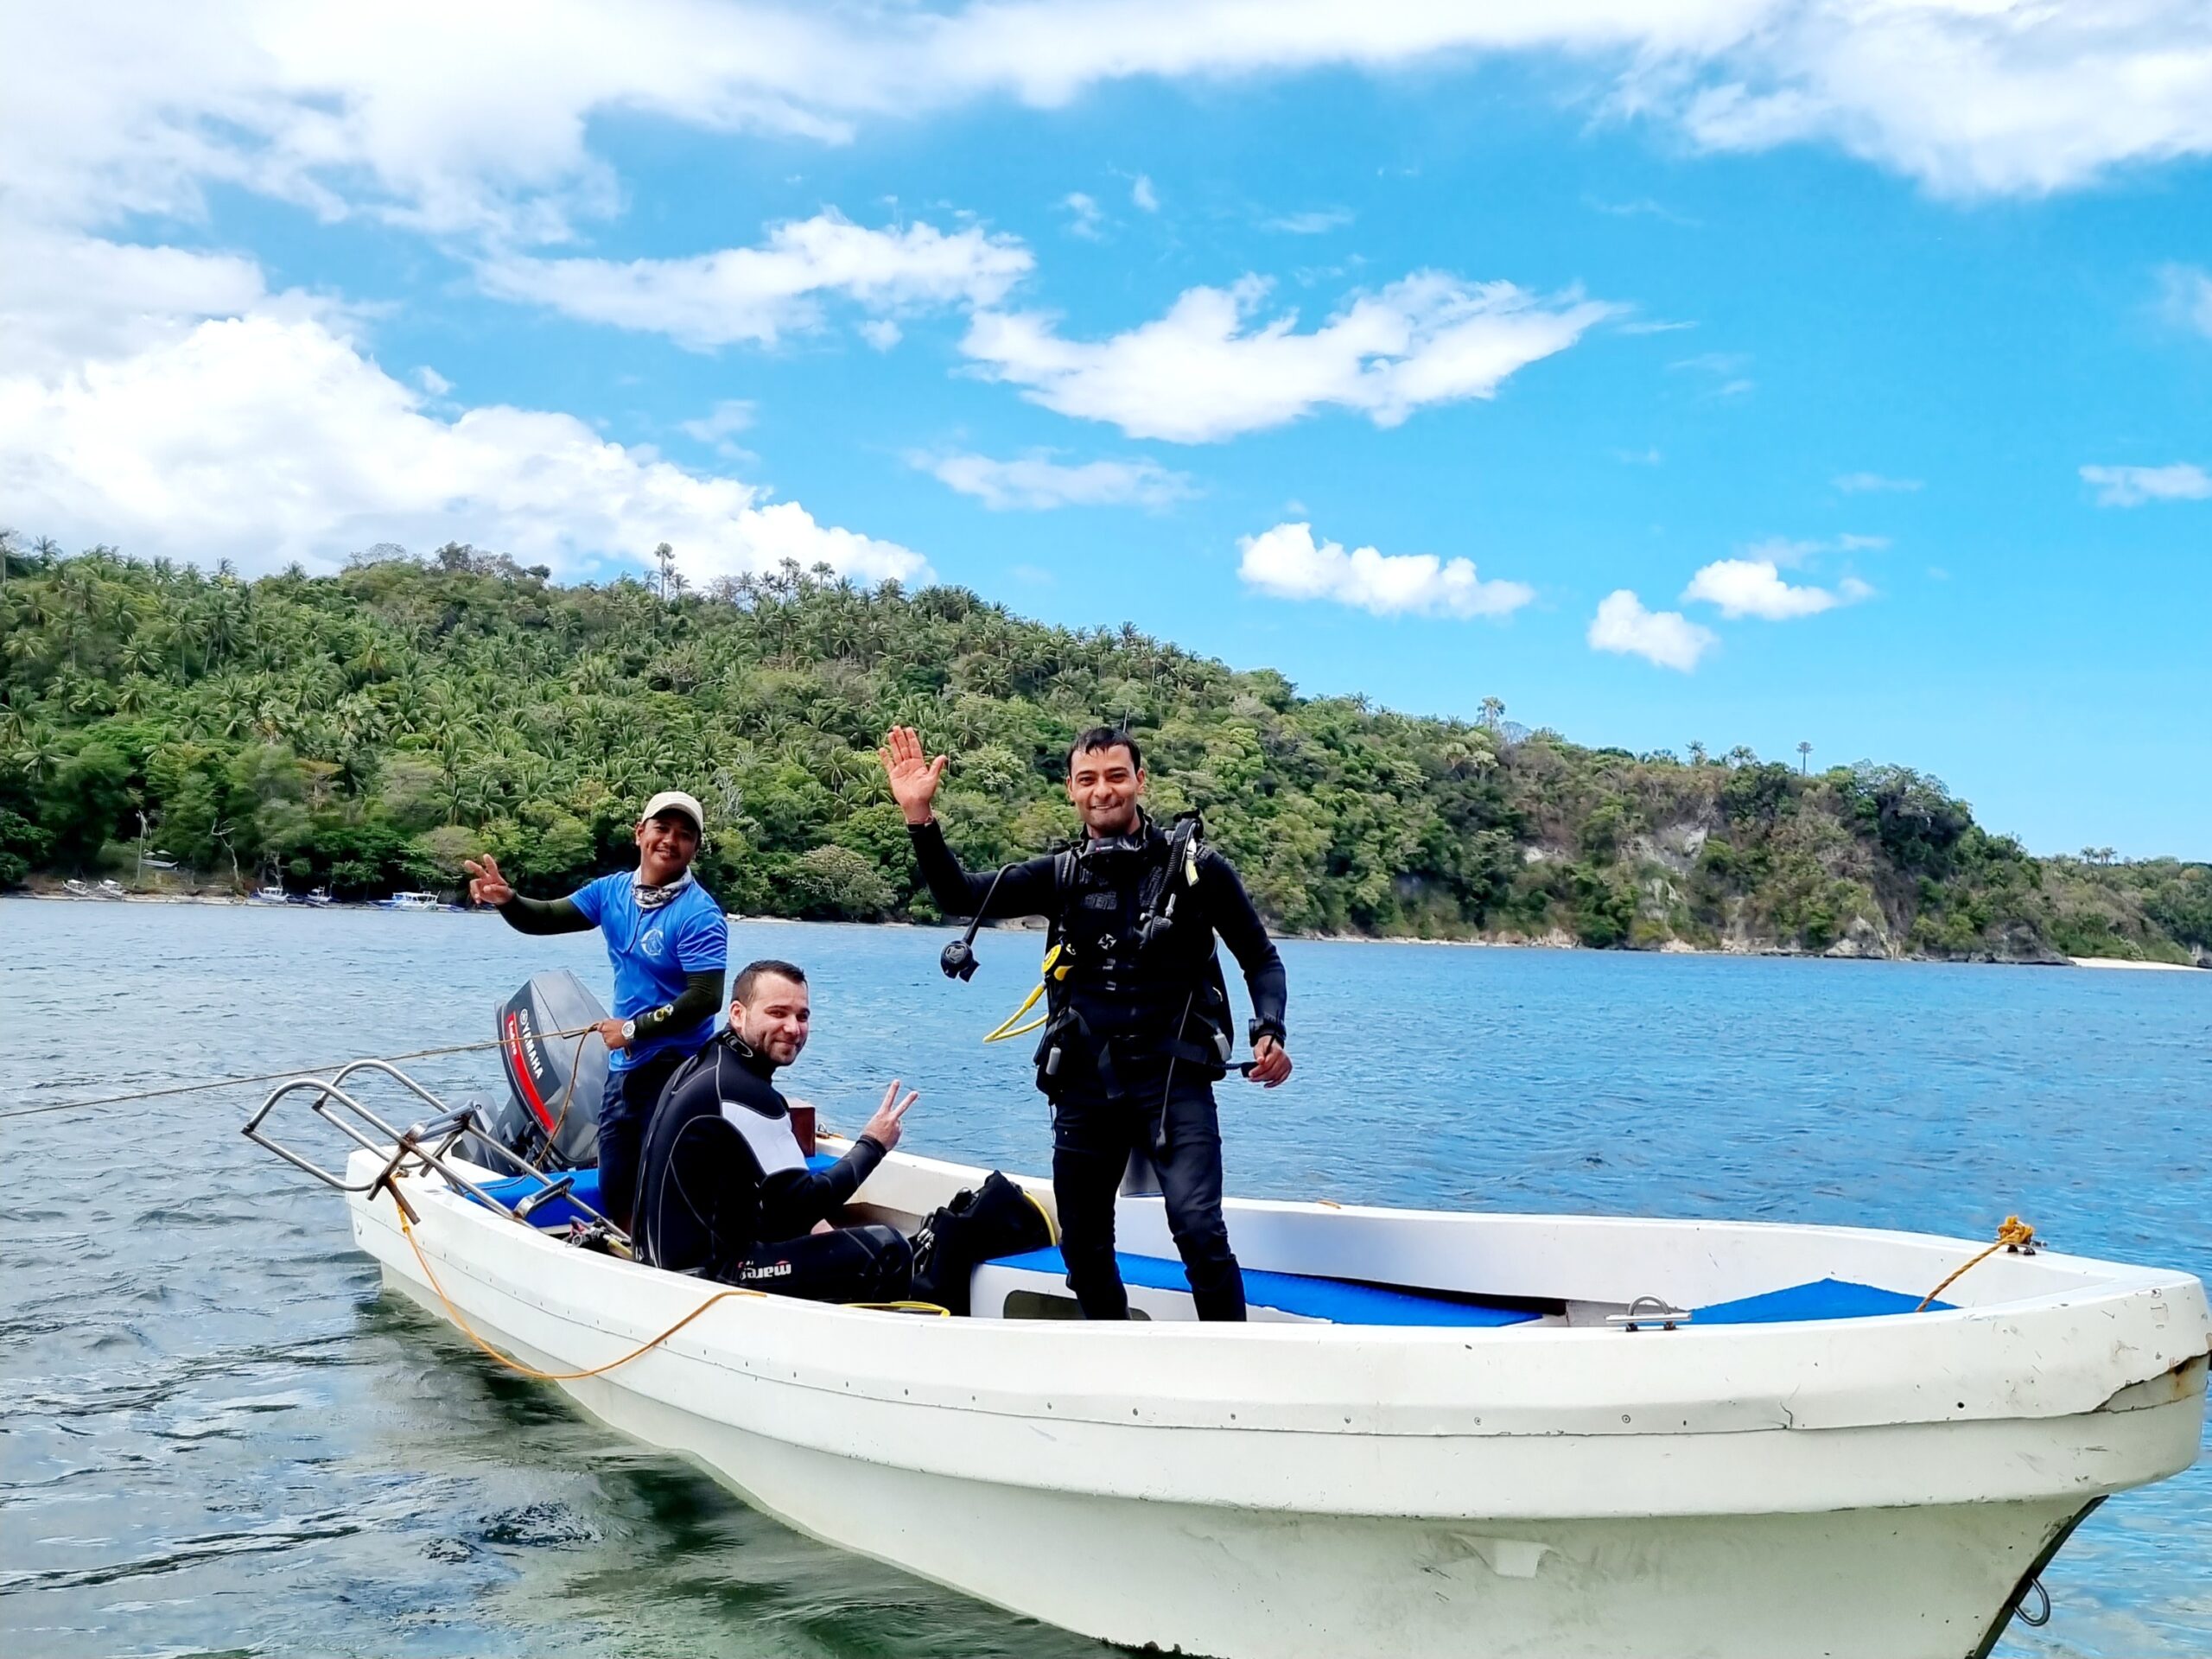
(2014, 1234)
(468, 1330)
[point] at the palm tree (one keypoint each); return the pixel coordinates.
(1804, 757)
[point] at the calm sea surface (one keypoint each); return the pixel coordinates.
(217, 1435)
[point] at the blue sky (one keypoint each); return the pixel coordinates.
(1782, 372)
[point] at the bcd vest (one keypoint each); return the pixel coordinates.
(1143, 986)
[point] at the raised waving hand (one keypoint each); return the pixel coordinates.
(913, 775)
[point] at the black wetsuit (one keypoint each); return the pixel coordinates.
(725, 1192)
(1137, 1035)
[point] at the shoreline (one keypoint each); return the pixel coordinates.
(1548, 942)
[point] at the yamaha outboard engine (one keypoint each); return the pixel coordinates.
(551, 1114)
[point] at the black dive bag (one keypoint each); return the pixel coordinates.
(996, 1219)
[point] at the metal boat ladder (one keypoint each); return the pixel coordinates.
(427, 1145)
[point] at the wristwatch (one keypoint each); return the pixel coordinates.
(629, 1030)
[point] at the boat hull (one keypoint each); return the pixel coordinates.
(1211, 1492)
(1893, 1582)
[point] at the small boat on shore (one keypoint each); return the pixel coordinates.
(1442, 1432)
(271, 895)
(411, 901)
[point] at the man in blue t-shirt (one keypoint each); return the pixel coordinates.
(670, 945)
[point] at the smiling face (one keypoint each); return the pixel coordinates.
(775, 1019)
(1105, 786)
(666, 846)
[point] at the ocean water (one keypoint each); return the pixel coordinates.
(219, 1436)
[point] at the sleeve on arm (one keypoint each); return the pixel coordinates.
(1229, 909)
(700, 998)
(794, 1200)
(590, 899)
(1026, 890)
(546, 915)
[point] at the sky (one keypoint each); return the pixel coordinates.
(1727, 371)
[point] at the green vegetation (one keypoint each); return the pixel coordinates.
(365, 731)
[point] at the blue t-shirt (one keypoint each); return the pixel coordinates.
(652, 950)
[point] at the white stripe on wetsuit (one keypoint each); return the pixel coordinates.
(773, 1143)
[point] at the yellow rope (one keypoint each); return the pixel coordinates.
(903, 1308)
(575, 1061)
(2012, 1235)
(517, 1366)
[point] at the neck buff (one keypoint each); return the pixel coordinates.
(654, 898)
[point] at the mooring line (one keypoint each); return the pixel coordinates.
(264, 1077)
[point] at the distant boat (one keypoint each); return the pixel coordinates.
(411, 901)
(320, 896)
(270, 895)
(77, 889)
(109, 888)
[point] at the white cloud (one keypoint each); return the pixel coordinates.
(1754, 588)
(730, 415)
(1317, 222)
(1142, 193)
(1287, 562)
(1084, 216)
(1874, 483)
(760, 294)
(2187, 293)
(64, 296)
(2130, 487)
(138, 107)
(881, 332)
(1664, 638)
(1209, 370)
(269, 436)
(432, 382)
(1036, 482)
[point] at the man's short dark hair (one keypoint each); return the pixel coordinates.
(1107, 737)
(750, 975)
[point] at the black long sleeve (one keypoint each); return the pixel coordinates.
(1228, 907)
(544, 916)
(700, 998)
(1026, 890)
(793, 1201)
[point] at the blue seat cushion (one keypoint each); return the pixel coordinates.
(560, 1212)
(1819, 1299)
(1340, 1301)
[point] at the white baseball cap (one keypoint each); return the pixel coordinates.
(675, 800)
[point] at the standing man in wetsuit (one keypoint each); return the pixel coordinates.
(669, 943)
(1137, 1029)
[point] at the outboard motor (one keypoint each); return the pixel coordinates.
(551, 1114)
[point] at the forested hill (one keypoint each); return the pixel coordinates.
(365, 730)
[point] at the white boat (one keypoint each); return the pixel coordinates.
(411, 901)
(270, 895)
(1439, 1436)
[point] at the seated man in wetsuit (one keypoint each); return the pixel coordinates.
(723, 1190)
